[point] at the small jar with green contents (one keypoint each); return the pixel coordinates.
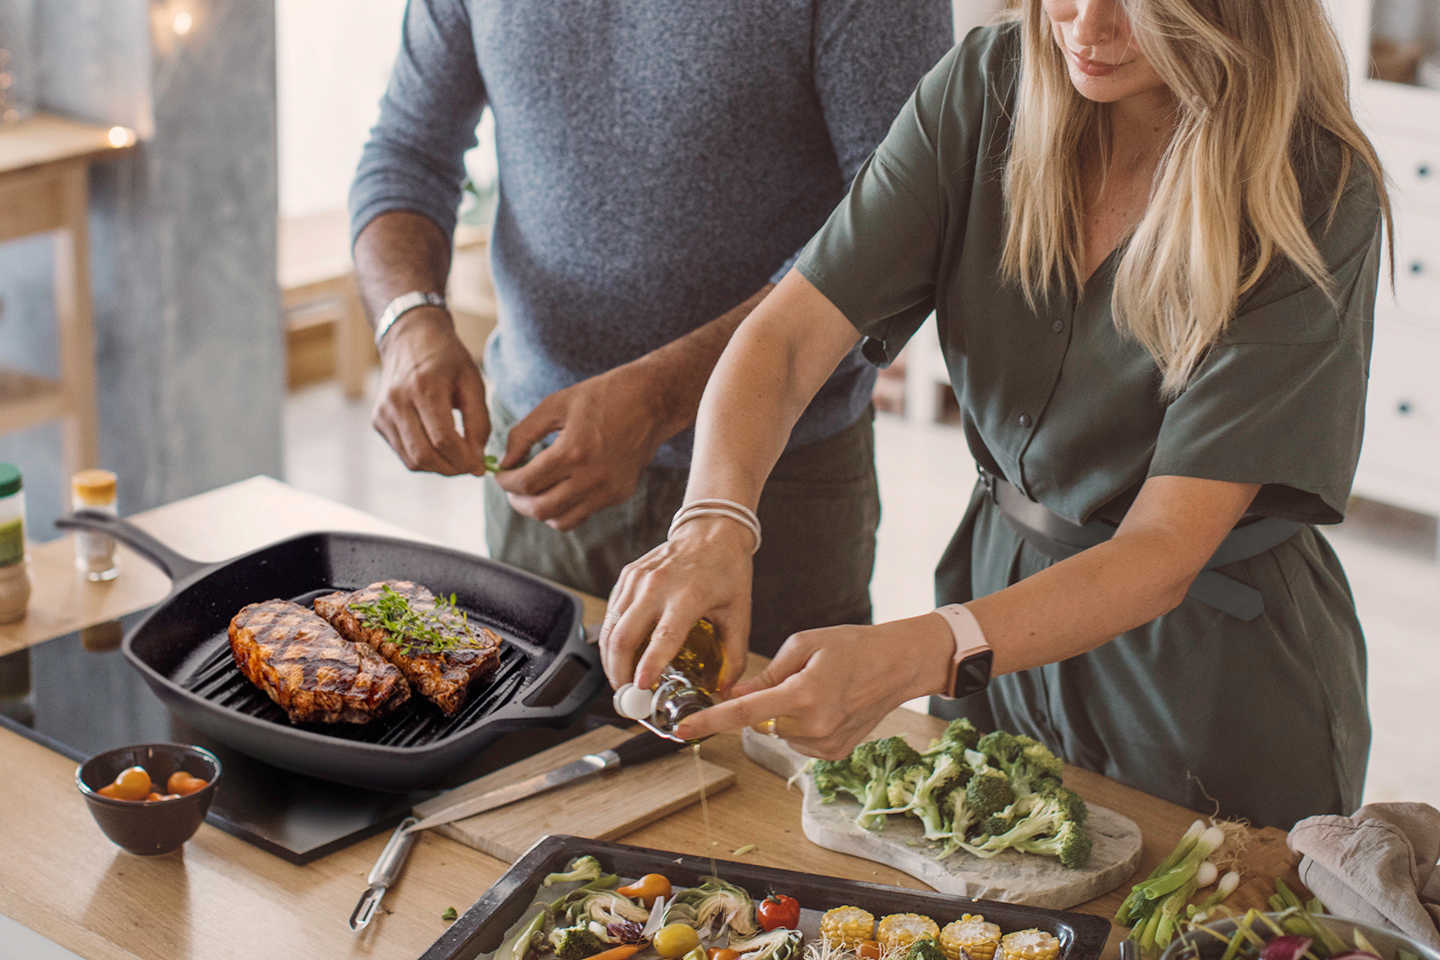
(14, 577)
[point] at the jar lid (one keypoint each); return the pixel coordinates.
(94, 486)
(10, 483)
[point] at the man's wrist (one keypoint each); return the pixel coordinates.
(433, 318)
(402, 306)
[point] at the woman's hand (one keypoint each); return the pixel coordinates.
(828, 688)
(705, 570)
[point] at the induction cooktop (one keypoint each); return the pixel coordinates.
(76, 695)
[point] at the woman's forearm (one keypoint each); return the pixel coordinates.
(773, 366)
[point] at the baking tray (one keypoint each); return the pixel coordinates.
(482, 928)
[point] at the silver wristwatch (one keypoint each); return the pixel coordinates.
(402, 305)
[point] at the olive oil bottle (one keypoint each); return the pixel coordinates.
(687, 684)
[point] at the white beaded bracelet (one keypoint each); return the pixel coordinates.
(716, 507)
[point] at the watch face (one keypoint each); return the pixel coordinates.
(973, 673)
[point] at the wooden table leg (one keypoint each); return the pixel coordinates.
(74, 321)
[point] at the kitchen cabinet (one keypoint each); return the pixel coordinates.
(1400, 460)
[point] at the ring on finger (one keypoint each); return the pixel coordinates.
(770, 728)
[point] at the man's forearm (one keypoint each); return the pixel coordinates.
(683, 366)
(396, 253)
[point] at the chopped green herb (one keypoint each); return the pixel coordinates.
(430, 629)
(449, 914)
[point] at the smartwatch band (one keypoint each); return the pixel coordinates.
(970, 664)
(402, 305)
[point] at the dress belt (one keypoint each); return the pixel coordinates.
(1058, 539)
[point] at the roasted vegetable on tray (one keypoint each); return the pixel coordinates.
(598, 919)
(980, 794)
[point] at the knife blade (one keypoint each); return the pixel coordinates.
(638, 749)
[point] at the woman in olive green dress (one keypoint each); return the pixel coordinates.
(1150, 232)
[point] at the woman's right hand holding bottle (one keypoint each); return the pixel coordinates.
(704, 570)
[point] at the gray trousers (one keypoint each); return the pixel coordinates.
(819, 511)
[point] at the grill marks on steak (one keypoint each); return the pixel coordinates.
(444, 676)
(312, 672)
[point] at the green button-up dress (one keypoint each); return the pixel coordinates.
(1266, 716)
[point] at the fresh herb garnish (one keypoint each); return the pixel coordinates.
(449, 914)
(492, 463)
(431, 629)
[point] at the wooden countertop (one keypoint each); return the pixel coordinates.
(221, 897)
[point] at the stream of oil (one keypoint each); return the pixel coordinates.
(704, 808)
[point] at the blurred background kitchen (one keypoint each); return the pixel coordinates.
(176, 301)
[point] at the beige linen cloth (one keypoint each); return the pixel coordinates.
(1376, 867)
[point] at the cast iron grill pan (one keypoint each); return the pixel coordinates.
(481, 929)
(547, 671)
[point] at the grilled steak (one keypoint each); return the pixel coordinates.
(442, 675)
(316, 675)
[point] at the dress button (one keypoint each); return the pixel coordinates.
(1025, 420)
(1058, 326)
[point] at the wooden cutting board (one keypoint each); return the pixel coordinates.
(1010, 876)
(602, 807)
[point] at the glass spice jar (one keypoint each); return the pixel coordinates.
(14, 575)
(94, 552)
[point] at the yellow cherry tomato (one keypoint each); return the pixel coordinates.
(133, 783)
(674, 940)
(722, 953)
(184, 784)
(646, 889)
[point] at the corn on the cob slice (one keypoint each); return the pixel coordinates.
(1029, 945)
(847, 926)
(972, 934)
(903, 929)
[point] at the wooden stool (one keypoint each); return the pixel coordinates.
(44, 163)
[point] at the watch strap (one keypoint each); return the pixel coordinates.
(402, 305)
(970, 662)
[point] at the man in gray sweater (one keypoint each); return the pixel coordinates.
(661, 163)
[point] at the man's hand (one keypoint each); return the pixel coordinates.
(609, 429)
(425, 373)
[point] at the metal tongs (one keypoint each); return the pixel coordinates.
(384, 873)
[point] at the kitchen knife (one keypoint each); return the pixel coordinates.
(638, 749)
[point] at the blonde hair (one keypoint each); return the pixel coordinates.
(1254, 82)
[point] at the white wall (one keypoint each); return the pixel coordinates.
(333, 59)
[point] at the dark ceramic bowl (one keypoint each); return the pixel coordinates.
(149, 828)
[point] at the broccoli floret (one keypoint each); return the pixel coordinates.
(988, 792)
(1026, 761)
(923, 949)
(959, 735)
(581, 869)
(900, 791)
(575, 943)
(876, 760)
(1070, 844)
(1046, 814)
(950, 774)
(833, 777)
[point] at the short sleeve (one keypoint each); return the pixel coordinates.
(877, 256)
(1280, 400)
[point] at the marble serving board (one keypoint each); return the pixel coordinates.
(1010, 876)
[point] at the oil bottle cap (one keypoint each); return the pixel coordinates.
(94, 487)
(10, 482)
(633, 703)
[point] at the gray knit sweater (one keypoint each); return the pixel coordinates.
(659, 161)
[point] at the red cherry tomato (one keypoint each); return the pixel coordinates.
(778, 910)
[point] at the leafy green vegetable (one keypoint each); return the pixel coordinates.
(449, 914)
(430, 629)
(582, 870)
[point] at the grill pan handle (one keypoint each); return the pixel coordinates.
(176, 566)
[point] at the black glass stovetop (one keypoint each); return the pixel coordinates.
(76, 695)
